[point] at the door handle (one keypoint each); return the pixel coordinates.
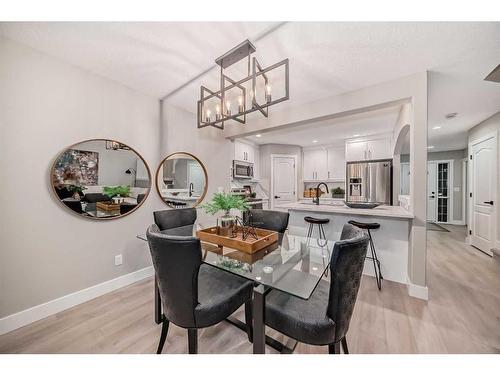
(276, 197)
(489, 202)
(432, 196)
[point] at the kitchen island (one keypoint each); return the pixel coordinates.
(391, 239)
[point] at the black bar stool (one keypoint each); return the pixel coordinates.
(376, 262)
(317, 221)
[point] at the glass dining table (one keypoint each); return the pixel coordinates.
(294, 265)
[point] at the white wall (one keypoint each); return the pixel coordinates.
(485, 128)
(179, 132)
(45, 106)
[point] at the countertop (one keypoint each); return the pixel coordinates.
(381, 211)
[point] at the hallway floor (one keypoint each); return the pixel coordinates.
(461, 316)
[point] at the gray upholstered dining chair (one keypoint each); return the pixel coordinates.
(268, 219)
(194, 295)
(178, 222)
(324, 318)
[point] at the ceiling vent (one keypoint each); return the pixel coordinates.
(494, 76)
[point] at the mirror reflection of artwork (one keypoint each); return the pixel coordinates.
(181, 180)
(77, 166)
(98, 182)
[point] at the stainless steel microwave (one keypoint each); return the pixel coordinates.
(242, 169)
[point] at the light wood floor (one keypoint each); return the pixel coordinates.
(461, 316)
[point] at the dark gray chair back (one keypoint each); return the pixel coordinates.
(268, 219)
(96, 197)
(176, 261)
(176, 222)
(140, 198)
(346, 268)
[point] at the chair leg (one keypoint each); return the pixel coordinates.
(345, 349)
(334, 348)
(376, 263)
(163, 337)
(249, 320)
(309, 231)
(193, 341)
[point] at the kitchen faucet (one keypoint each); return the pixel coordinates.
(316, 200)
(191, 189)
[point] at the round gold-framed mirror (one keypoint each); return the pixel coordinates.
(100, 179)
(181, 180)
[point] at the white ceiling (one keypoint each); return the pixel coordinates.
(325, 59)
(151, 57)
(333, 131)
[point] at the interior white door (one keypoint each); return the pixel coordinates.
(431, 191)
(283, 180)
(483, 177)
(405, 179)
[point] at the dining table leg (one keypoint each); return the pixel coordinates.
(259, 327)
(158, 318)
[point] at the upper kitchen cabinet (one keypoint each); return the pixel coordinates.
(244, 152)
(336, 163)
(372, 149)
(315, 164)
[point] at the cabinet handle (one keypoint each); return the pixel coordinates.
(365, 155)
(328, 174)
(370, 154)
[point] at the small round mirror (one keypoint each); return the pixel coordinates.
(181, 180)
(100, 179)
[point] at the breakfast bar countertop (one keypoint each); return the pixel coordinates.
(380, 211)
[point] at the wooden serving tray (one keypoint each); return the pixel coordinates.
(108, 206)
(250, 245)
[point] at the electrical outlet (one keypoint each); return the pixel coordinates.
(118, 260)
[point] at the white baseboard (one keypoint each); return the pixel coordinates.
(417, 291)
(25, 317)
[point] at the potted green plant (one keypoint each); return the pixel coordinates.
(338, 193)
(116, 191)
(76, 191)
(225, 202)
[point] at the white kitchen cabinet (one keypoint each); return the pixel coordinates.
(244, 152)
(315, 165)
(336, 163)
(355, 151)
(379, 149)
(372, 149)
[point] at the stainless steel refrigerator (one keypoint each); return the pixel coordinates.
(369, 181)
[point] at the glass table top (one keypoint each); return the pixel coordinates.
(294, 266)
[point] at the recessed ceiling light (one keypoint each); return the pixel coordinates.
(355, 135)
(436, 127)
(451, 115)
(315, 141)
(430, 147)
(258, 135)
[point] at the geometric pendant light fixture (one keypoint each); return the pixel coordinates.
(259, 89)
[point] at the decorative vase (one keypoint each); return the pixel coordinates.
(225, 224)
